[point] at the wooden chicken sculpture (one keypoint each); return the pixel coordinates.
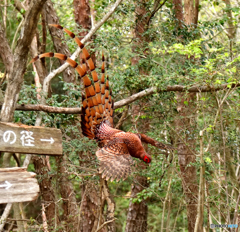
(118, 147)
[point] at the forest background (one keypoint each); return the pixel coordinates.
(173, 68)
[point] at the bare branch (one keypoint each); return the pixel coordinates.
(110, 206)
(144, 138)
(105, 223)
(19, 6)
(157, 7)
(5, 215)
(126, 101)
(44, 218)
(121, 120)
(175, 88)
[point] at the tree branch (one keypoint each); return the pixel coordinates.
(19, 6)
(4, 216)
(144, 138)
(175, 88)
(126, 101)
(157, 7)
(105, 223)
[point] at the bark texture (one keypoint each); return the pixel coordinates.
(185, 124)
(47, 192)
(137, 212)
(34, 51)
(5, 50)
(70, 206)
(191, 12)
(89, 207)
(106, 196)
(92, 209)
(178, 11)
(82, 16)
(140, 39)
(231, 29)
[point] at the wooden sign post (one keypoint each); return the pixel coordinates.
(17, 185)
(30, 139)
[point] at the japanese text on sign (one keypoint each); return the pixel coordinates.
(30, 139)
(26, 138)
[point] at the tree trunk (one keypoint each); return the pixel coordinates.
(5, 50)
(137, 212)
(185, 124)
(106, 196)
(177, 4)
(70, 206)
(90, 202)
(91, 210)
(89, 207)
(191, 12)
(231, 28)
(82, 14)
(47, 192)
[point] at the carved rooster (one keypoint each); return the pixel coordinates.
(117, 147)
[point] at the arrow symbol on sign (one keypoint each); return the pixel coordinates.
(7, 185)
(51, 140)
